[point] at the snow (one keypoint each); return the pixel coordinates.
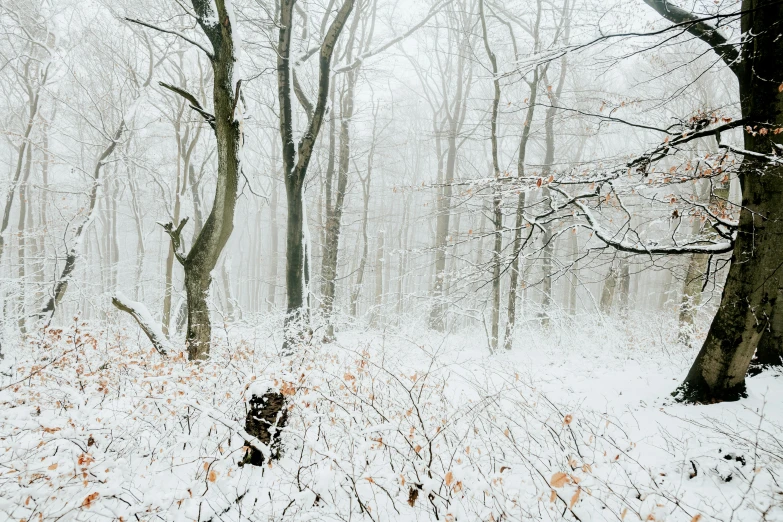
(94, 424)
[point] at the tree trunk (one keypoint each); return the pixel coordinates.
(607, 294)
(296, 160)
(210, 242)
(33, 101)
(520, 219)
(497, 198)
(455, 120)
(363, 260)
(61, 285)
(754, 282)
(168, 283)
(274, 242)
(378, 302)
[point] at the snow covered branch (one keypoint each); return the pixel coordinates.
(143, 317)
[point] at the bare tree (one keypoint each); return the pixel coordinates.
(297, 159)
(227, 124)
(751, 298)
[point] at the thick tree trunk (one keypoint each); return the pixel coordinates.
(754, 282)
(210, 242)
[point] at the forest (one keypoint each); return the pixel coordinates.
(391, 260)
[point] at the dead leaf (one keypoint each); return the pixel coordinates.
(567, 420)
(213, 475)
(559, 480)
(697, 516)
(574, 499)
(53, 467)
(449, 478)
(89, 499)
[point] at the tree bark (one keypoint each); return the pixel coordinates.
(753, 285)
(210, 242)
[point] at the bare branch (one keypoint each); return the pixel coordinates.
(169, 31)
(194, 103)
(176, 238)
(701, 30)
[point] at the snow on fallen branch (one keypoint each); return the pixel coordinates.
(143, 317)
(252, 441)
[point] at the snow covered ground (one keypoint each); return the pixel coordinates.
(576, 423)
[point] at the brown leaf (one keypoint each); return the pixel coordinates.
(89, 499)
(567, 420)
(574, 499)
(697, 516)
(559, 480)
(449, 478)
(213, 475)
(553, 496)
(539, 181)
(53, 467)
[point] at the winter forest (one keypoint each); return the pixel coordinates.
(391, 260)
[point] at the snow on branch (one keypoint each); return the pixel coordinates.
(143, 317)
(169, 31)
(637, 247)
